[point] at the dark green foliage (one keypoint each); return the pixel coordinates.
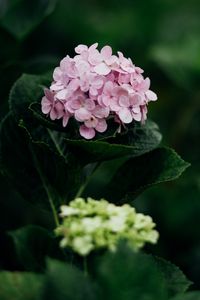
(20, 286)
(41, 161)
(122, 275)
(137, 174)
(177, 283)
(32, 243)
(21, 17)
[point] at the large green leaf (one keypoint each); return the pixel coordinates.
(138, 140)
(32, 243)
(63, 281)
(138, 173)
(26, 90)
(21, 17)
(177, 282)
(188, 296)
(37, 171)
(126, 275)
(20, 286)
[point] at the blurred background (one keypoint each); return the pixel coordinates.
(162, 37)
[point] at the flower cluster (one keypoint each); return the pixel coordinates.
(94, 86)
(91, 224)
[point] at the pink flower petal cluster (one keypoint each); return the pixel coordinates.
(97, 85)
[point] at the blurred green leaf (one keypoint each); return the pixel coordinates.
(63, 281)
(180, 61)
(21, 17)
(136, 174)
(126, 275)
(188, 296)
(32, 243)
(20, 286)
(177, 283)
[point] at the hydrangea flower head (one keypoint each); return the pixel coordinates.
(90, 224)
(95, 86)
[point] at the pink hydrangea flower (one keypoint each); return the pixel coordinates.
(97, 85)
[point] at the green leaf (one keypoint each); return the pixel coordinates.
(26, 90)
(63, 281)
(21, 17)
(39, 173)
(126, 275)
(136, 174)
(177, 282)
(20, 286)
(32, 243)
(188, 296)
(42, 119)
(138, 140)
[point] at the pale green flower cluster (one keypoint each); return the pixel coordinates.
(91, 224)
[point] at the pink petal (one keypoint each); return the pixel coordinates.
(136, 109)
(124, 101)
(94, 57)
(151, 95)
(136, 100)
(144, 85)
(80, 48)
(137, 117)
(106, 52)
(97, 82)
(57, 74)
(53, 114)
(114, 106)
(46, 101)
(101, 112)
(46, 108)
(49, 95)
(125, 115)
(65, 119)
(82, 114)
(102, 69)
(108, 87)
(56, 86)
(91, 123)
(105, 100)
(93, 91)
(59, 108)
(89, 104)
(74, 84)
(87, 133)
(75, 104)
(101, 126)
(61, 95)
(82, 67)
(111, 60)
(93, 46)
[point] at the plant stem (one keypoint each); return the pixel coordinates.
(45, 185)
(83, 186)
(85, 267)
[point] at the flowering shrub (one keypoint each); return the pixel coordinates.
(91, 224)
(48, 166)
(95, 86)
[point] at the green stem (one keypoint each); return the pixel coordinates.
(85, 267)
(37, 165)
(55, 142)
(84, 185)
